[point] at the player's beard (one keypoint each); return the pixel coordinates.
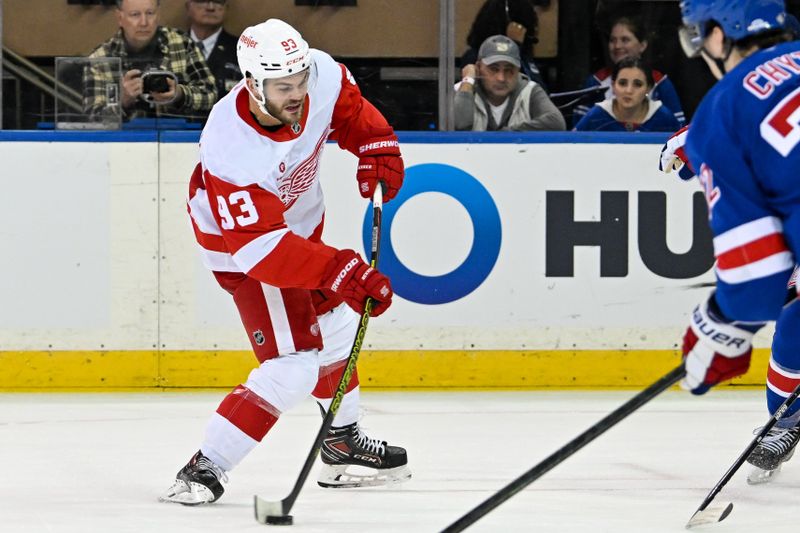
(284, 116)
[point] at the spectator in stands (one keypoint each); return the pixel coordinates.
(630, 108)
(628, 39)
(494, 95)
(217, 45)
(517, 20)
(143, 45)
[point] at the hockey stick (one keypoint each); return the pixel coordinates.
(567, 450)
(277, 513)
(718, 513)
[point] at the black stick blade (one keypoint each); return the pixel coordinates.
(711, 515)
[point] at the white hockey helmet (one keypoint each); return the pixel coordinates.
(272, 49)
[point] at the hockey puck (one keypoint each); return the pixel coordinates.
(280, 520)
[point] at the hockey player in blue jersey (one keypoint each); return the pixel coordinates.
(786, 342)
(743, 145)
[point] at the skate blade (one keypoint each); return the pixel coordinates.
(710, 515)
(191, 494)
(759, 476)
(338, 477)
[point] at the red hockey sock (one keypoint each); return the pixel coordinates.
(249, 412)
(328, 381)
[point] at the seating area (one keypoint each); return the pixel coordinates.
(402, 78)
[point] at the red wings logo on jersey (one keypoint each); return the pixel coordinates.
(291, 187)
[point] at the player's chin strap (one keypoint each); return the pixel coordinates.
(261, 101)
(727, 48)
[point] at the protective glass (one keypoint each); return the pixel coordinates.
(87, 93)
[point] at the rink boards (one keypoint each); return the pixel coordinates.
(536, 260)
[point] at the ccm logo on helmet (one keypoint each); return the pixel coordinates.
(248, 41)
(347, 268)
(295, 60)
(378, 144)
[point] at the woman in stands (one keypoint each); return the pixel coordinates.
(630, 108)
(628, 39)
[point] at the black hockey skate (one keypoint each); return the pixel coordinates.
(197, 482)
(775, 448)
(346, 451)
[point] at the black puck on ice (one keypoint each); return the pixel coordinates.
(281, 520)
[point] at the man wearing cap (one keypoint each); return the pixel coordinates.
(493, 95)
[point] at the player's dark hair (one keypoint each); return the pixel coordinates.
(634, 62)
(767, 39)
(492, 20)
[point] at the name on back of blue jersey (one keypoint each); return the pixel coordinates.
(762, 80)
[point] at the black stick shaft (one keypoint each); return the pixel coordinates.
(746, 453)
(288, 502)
(567, 450)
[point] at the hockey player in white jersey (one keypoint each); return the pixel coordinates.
(257, 210)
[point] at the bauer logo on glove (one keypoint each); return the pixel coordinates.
(715, 349)
(706, 327)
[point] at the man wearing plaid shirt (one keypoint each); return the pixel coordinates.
(143, 45)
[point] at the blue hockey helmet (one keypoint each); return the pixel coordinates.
(737, 18)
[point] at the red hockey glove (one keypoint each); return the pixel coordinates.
(673, 156)
(379, 160)
(354, 280)
(715, 349)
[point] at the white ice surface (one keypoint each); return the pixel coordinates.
(82, 463)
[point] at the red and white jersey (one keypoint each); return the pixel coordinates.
(255, 199)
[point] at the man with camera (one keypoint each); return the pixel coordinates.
(163, 71)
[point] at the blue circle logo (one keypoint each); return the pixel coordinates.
(466, 190)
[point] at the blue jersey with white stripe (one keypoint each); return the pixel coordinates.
(743, 144)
